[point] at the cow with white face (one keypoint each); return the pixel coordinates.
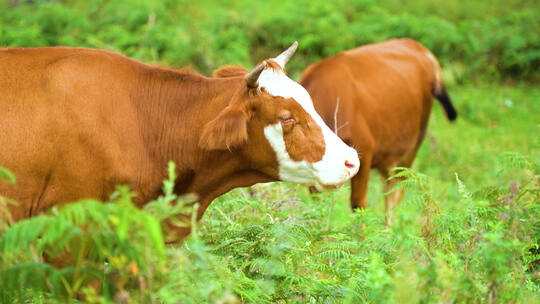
(325, 170)
(306, 150)
(81, 121)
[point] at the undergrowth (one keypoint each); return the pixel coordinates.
(482, 248)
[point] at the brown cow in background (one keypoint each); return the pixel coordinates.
(75, 122)
(378, 99)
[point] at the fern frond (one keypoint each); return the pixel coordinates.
(465, 194)
(7, 175)
(515, 160)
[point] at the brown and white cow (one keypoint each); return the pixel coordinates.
(75, 122)
(378, 99)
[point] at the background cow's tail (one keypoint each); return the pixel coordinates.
(439, 90)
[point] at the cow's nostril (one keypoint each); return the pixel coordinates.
(349, 165)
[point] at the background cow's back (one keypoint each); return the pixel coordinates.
(378, 98)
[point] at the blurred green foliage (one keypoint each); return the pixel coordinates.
(474, 40)
(7, 175)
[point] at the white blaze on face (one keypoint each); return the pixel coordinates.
(331, 169)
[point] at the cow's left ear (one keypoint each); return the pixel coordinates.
(227, 130)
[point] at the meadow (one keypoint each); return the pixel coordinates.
(467, 230)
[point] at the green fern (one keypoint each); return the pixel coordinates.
(7, 175)
(515, 160)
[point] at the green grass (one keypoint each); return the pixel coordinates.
(492, 119)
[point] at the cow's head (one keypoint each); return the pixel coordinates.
(271, 122)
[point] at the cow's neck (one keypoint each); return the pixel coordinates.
(175, 107)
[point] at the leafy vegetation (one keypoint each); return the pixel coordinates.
(467, 229)
(476, 40)
(7, 175)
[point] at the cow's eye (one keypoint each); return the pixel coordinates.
(286, 119)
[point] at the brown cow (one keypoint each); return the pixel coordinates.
(378, 99)
(74, 122)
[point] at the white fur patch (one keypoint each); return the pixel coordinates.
(330, 170)
(290, 170)
(276, 83)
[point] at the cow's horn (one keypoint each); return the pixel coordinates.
(284, 57)
(253, 76)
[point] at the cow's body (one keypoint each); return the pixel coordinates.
(75, 122)
(385, 93)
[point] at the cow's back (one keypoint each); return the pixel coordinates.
(383, 89)
(65, 116)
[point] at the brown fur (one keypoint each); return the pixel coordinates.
(273, 65)
(227, 130)
(234, 70)
(230, 71)
(385, 93)
(312, 153)
(75, 122)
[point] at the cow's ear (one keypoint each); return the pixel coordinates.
(230, 71)
(226, 131)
